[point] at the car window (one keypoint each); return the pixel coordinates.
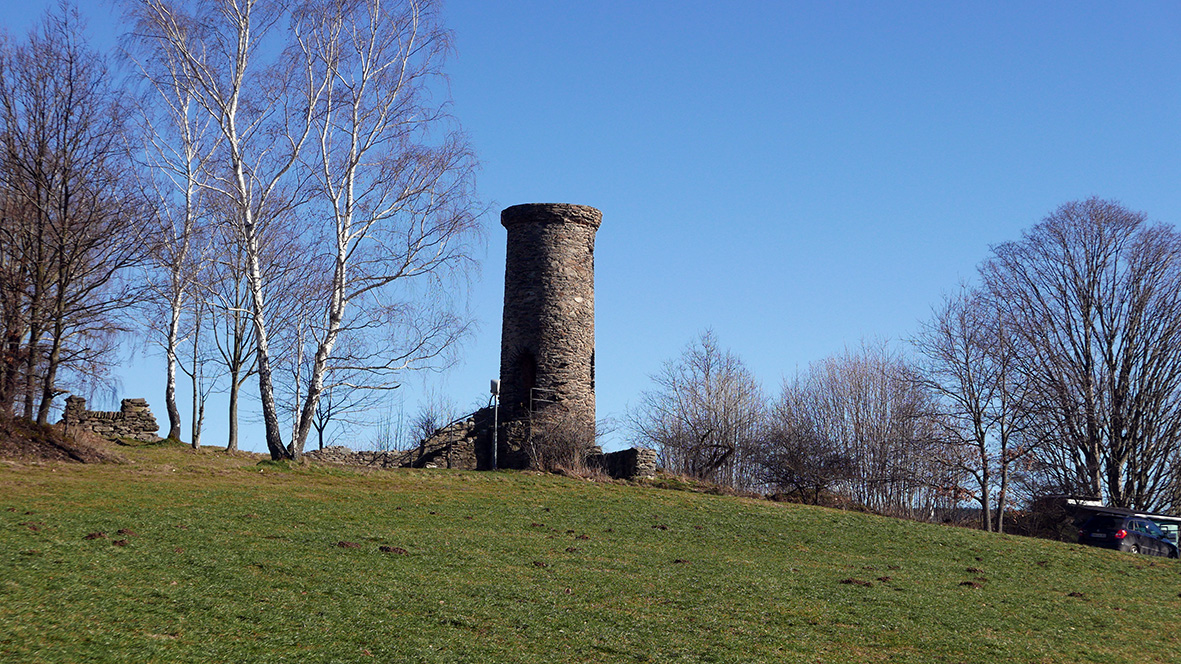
(1105, 522)
(1154, 530)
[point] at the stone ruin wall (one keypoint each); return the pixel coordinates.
(459, 445)
(629, 464)
(133, 420)
(466, 444)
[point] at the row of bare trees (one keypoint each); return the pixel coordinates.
(70, 222)
(307, 137)
(280, 192)
(1060, 373)
(850, 430)
(1066, 361)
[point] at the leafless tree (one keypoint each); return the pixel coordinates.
(559, 438)
(178, 145)
(1093, 297)
(202, 380)
(862, 407)
(796, 455)
(224, 291)
(348, 398)
(435, 411)
(399, 199)
(62, 120)
(967, 361)
(705, 413)
(26, 247)
(233, 60)
(18, 248)
(342, 410)
(390, 431)
(325, 111)
(294, 352)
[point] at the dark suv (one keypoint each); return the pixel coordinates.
(1126, 533)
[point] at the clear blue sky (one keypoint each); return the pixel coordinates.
(797, 176)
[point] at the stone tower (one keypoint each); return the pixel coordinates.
(547, 343)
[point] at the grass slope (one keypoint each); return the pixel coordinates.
(224, 560)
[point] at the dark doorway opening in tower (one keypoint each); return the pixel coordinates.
(592, 372)
(527, 373)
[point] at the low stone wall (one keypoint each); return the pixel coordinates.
(133, 420)
(454, 446)
(466, 443)
(626, 464)
(343, 456)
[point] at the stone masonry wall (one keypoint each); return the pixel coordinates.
(457, 445)
(343, 456)
(547, 351)
(133, 420)
(627, 464)
(464, 444)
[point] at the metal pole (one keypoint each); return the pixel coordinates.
(495, 418)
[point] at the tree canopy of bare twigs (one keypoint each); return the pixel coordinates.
(178, 142)
(231, 59)
(395, 178)
(333, 139)
(967, 362)
(705, 413)
(1092, 296)
(861, 426)
(72, 221)
(797, 456)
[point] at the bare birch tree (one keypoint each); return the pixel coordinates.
(388, 169)
(394, 177)
(179, 144)
(233, 59)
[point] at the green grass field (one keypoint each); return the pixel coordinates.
(221, 559)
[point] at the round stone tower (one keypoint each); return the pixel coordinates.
(547, 343)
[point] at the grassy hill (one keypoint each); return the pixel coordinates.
(175, 556)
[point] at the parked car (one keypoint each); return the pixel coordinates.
(1127, 533)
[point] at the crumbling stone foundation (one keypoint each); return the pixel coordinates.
(629, 464)
(463, 445)
(133, 420)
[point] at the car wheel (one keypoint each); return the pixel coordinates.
(1135, 548)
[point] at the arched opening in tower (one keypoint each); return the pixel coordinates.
(527, 374)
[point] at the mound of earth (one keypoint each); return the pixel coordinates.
(29, 441)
